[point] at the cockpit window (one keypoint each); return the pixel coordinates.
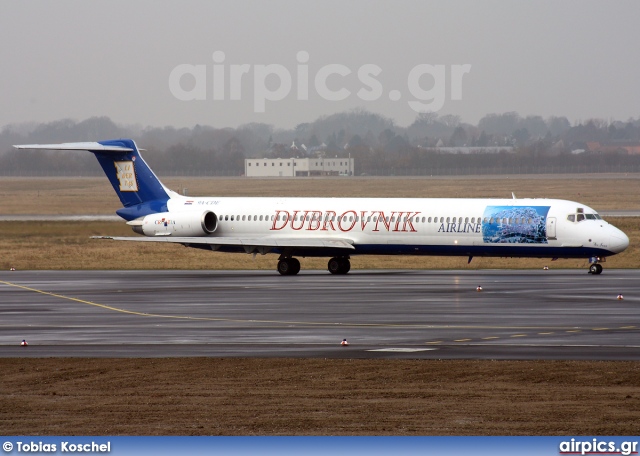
(580, 216)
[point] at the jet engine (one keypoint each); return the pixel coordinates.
(176, 224)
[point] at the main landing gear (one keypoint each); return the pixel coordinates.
(291, 266)
(339, 265)
(288, 266)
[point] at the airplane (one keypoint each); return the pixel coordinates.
(340, 228)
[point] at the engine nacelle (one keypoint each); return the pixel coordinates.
(176, 224)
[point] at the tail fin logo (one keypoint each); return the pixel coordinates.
(126, 174)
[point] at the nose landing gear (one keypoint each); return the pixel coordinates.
(595, 269)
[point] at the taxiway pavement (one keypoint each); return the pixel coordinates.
(523, 314)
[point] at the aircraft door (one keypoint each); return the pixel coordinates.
(551, 228)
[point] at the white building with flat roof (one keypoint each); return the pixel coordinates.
(298, 167)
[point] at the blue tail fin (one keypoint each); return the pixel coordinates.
(139, 190)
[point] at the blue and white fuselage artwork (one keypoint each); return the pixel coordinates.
(342, 227)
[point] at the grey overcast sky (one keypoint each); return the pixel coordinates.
(78, 59)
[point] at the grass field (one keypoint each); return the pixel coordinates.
(95, 195)
(66, 245)
(209, 396)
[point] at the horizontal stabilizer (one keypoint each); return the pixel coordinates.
(90, 146)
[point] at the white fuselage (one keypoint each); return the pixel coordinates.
(473, 227)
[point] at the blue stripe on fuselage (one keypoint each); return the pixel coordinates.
(493, 250)
(437, 250)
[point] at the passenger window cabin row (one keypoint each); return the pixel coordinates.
(387, 219)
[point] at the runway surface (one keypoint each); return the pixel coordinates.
(528, 314)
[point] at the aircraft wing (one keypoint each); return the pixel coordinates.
(249, 244)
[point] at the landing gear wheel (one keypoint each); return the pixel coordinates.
(295, 264)
(333, 266)
(339, 265)
(284, 267)
(595, 268)
(288, 266)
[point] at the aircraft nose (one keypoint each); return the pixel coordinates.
(618, 241)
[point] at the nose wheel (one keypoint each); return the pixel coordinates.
(595, 268)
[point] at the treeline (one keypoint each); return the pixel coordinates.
(432, 163)
(515, 145)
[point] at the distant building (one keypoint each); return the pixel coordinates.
(298, 167)
(631, 148)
